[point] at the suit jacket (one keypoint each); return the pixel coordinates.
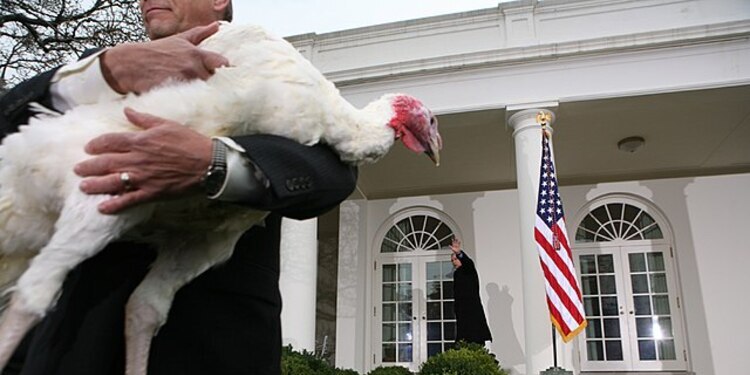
(225, 322)
(471, 324)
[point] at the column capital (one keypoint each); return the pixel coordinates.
(525, 118)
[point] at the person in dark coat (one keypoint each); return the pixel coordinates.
(471, 324)
(226, 321)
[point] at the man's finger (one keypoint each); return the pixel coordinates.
(197, 34)
(121, 202)
(213, 61)
(109, 184)
(110, 142)
(143, 120)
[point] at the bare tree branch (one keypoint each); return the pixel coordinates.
(36, 35)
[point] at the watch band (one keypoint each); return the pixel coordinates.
(218, 155)
(216, 175)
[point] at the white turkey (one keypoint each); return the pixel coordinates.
(268, 88)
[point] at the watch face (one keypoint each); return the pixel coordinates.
(214, 181)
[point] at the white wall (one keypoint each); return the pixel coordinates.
(709, 219)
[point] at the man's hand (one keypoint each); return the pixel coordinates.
(456, 245)
(137, 67)
(164, 160)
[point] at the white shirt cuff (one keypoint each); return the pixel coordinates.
(81, 83)
(244, 180)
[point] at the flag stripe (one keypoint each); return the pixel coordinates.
(561, 265)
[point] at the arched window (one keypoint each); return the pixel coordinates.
(417, 232)
(618, 221)
(413, 305)
(629, 288)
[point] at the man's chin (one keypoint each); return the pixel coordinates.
(158, 30)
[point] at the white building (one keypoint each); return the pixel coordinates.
(660, 225)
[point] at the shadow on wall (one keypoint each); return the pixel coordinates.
(505, 343)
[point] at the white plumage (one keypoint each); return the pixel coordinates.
(269, 88)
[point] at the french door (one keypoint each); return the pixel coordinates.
(413, 313)
(632, 307)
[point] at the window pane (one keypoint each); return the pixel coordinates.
(658, 283)
(594, 329)
(637, 262)
(389, 332)
(444, 235)
(655, 261)
(642, 305)
(666, 327)
(630, 213)
(404, 353)
(433, 331)
(389, 292)
(389, 312)
(589, 285)
(615, 210)
(666, 350)
(594, 351)
(584, 236)
(404, 292)
(614, 350)
(389, 273)
(588, 264)
(433, 271)
(646, 350)
(653, 233)
(661, 305)
(433, 290)
(389, 353)
(449, 330)
(612, 328)
(419, 222)
(433, 349)
(388, 247)
(640, 283)
(645, 327)
(404, 312)
(609, 306)
(607, 285)
(404, 272)
(606, 263)
(404, 332)
(591, 306)
(433, 311)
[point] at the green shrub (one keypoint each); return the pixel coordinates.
(345, 372)
(390, 370)
(466, 359)
(306, 363)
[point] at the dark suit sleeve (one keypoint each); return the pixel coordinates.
(305, 181)
(14, 105)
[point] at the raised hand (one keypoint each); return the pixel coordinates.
(164, 160)
(456, 245)
(137, 67)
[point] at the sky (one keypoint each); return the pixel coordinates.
(293, 17)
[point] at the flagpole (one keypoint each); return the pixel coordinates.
(554, 345)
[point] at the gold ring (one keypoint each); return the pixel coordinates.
(125, 179)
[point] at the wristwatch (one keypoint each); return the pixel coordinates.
(216, 174)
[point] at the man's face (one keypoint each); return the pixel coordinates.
(163, 18)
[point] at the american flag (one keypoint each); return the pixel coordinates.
(563, 292)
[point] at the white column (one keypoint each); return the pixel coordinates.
(537, 324)
(298, 282)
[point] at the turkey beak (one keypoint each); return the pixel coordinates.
(434, 151)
